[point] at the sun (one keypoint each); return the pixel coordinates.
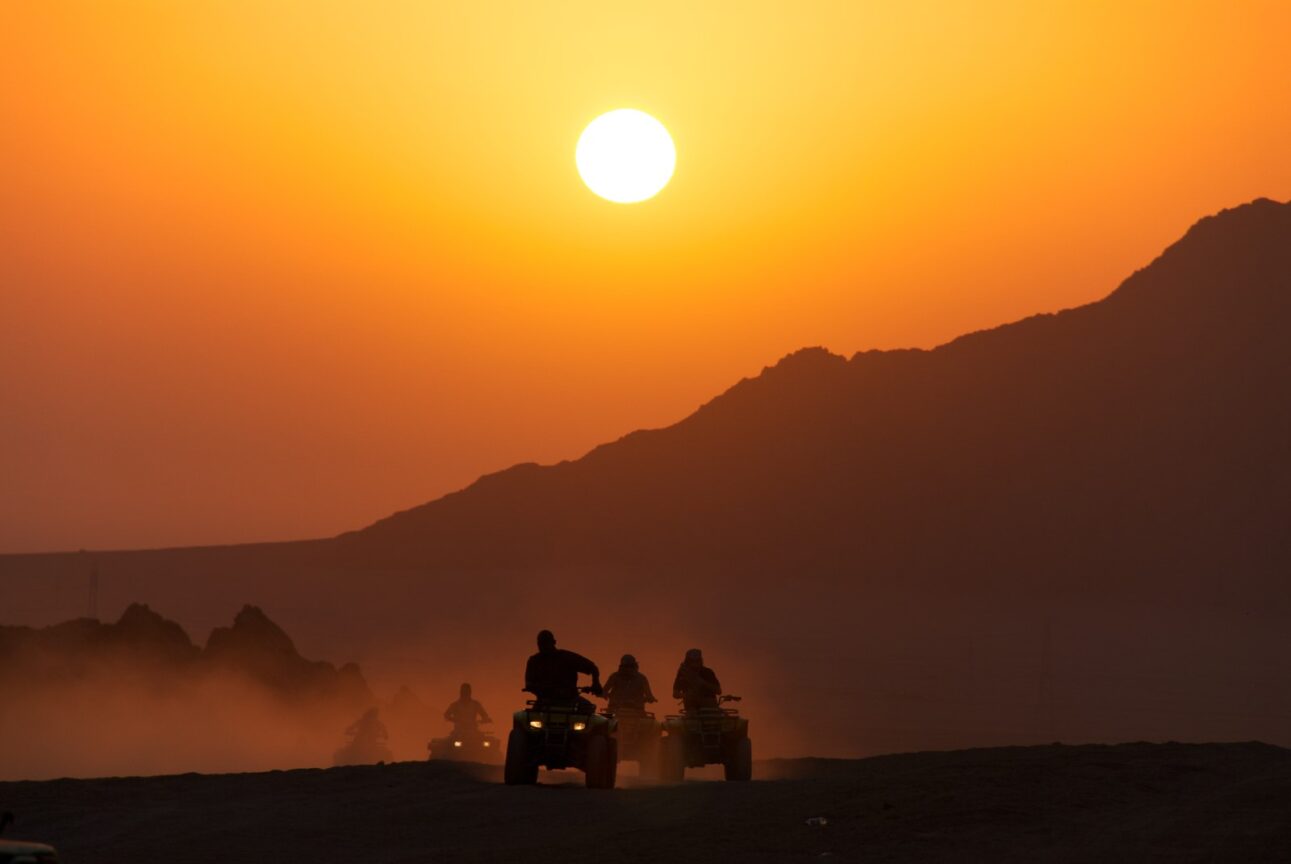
(625, 156)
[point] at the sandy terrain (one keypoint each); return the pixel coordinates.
(1134, 802)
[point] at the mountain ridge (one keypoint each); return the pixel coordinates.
(1157, 317)
(815, 363)
(813, 358)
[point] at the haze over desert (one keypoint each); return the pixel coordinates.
(724, 432)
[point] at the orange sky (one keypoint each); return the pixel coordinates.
(271, 271)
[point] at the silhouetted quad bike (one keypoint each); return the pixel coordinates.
(466, 747)
(562, 734)
(639, 737)
(362, 752)
(708, 736)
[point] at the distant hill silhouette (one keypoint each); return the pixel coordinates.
(1070, 526)
(257, 647)
(145, 643)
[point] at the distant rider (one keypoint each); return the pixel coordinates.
(368, 730)
(696, 685)
(552, 674)
(627, 689)
(466, 714)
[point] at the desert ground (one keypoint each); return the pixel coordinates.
(1130, 802)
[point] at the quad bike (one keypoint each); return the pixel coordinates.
(466, 745)
(639, 734)
(562, 734)
(362, 750)
(706, 736)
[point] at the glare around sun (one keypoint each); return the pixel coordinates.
(625, 156)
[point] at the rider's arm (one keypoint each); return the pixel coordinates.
(484, 715)
(528, 675)
(679, 684)
(589, 668)
(649, 696)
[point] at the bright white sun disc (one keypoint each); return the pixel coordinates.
(625, 156)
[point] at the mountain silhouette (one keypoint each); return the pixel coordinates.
(1148, 428)
(1069, 526)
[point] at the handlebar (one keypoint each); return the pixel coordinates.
(730, 698)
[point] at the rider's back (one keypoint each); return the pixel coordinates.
(552, 675)
(628, 691)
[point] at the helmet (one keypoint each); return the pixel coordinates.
(546, 640)
(694, 655)
(628, 660)
(466, 691)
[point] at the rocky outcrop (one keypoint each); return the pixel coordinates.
(147, 645)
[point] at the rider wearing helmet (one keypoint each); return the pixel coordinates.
(627, 689)
(696, 685)
(552, 673)
(466, 714)
(368, 729)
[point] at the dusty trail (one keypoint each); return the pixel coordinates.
(1134, 802)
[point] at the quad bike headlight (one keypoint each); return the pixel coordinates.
(488, 743)
(457, 743)
(535, 724)
(579, 725)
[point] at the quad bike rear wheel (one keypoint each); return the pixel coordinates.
(519, 771)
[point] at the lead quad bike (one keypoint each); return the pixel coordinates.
(639, 735)
(558, 734)
(466, 745)
(707, 736)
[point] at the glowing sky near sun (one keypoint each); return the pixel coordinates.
(275, 270)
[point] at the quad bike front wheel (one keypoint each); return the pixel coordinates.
(672, 759)
(649, 757)
(602, 766)
(739, 762)
(519, 771)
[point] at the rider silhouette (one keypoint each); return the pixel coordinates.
(466, 714)
(367, 742)
(551, 675)
(627, 689)
(368, 729)
(696, 685)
